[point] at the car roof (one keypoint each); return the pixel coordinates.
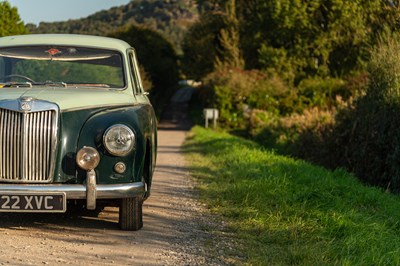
(64, 39)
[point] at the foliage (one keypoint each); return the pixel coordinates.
(297, 39)
(146, 79)
(309, 134)
(302, 135)
(200, 46)
(229, 52)
(276, 60)
(236, 92)
(239, 94)
(366, 138)
(159, 60)
(10, 22)
(310, 31)
(213, 42)
(323, 93)
(288, 212)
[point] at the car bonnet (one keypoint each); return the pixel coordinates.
(69, 99)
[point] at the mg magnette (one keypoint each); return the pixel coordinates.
(76, 126)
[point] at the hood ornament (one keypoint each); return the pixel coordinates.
(25, 104)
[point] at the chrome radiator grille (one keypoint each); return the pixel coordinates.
(27, 145)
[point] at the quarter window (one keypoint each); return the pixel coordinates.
(135, 73)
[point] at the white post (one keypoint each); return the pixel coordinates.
(212, 114)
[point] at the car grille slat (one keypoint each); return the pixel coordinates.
(27, 145)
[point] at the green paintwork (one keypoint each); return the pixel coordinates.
(86, 128)
(92, 135)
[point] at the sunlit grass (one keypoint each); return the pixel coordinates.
(287, 211)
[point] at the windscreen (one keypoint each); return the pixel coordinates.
(73, 66)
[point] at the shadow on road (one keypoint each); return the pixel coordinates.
(72, 218)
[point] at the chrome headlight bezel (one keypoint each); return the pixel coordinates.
(119, 140)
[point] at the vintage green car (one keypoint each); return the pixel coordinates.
(76, 126)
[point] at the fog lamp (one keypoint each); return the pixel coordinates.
(87, 158)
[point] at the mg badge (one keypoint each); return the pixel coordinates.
(25, 104)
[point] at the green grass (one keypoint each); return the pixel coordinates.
(289, 212)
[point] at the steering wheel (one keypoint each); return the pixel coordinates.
(17, 76)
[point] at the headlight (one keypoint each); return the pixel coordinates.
(119, 140)
(87, 158)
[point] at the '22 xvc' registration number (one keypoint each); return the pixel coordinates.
(32, 202)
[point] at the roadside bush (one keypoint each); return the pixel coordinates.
(237, 92)
(307, 133)
(299, 135)
(322, 92)
(272, 94)
(366, 139)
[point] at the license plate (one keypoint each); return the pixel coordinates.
(32, 202)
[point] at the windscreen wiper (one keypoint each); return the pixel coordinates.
(51, 83)
(16, 84)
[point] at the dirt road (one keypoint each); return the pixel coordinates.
(175, 228)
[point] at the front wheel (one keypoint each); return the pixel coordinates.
(130, 214)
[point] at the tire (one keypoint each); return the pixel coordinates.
(130, 214)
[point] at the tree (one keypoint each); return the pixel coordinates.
(201, 45)
(307, 38)
(213, 42)
(229, 51)
(158, 58)
(10, 22)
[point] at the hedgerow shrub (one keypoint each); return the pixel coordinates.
(366, 139)
(299, 135)
(236, 92)
(322, 92)
(304, 133)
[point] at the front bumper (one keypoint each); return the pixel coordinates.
(90, 191)
(78, 191)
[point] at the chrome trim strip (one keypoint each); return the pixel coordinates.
(129, 104)
(78, 191)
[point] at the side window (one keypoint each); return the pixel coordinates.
(135, 72)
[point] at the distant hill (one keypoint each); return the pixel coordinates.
(170, 17)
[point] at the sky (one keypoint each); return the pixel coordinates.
(35, 11)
